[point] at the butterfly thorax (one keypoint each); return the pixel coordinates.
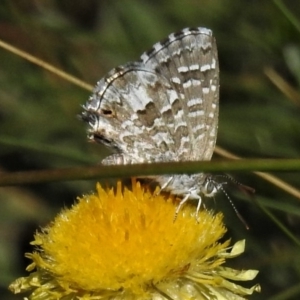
(190, 186)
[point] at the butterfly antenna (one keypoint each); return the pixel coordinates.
(245, 188)
(234, 208)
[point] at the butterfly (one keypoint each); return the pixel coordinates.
(162, 108)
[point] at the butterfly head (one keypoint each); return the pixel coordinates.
(210, 186)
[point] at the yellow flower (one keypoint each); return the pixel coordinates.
(124, 244)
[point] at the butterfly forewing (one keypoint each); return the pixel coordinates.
(127, 116)
(163, 107)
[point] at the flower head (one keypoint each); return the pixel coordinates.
(124, 244)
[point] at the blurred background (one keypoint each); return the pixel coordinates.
(259, 52)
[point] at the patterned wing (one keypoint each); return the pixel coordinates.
(125, 112)
(189, 61)
(162, 108)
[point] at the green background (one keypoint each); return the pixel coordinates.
(39, 128)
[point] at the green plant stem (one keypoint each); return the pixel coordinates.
(143, 170)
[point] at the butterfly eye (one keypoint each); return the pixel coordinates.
(210, 188)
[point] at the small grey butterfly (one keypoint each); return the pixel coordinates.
(162, 108)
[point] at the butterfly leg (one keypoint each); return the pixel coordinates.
(198, 208)
(165, 185)
(185, 199)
